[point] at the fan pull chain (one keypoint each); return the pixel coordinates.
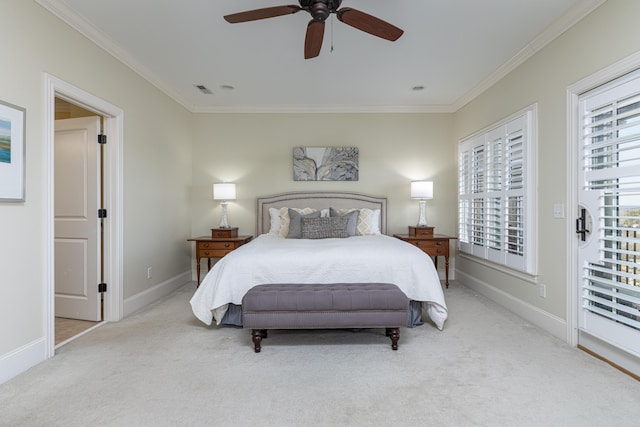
(331, 33)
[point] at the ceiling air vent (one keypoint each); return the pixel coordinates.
(204, 89)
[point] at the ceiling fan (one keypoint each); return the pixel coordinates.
(320, 11)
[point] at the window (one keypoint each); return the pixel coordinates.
(496, 193)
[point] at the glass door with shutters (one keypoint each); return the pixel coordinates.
(609, 203)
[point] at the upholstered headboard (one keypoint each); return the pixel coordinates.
(318, 200)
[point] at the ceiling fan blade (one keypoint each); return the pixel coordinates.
(313, 41)
(369, 24)
(267, 12)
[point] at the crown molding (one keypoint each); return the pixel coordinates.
(306, 109)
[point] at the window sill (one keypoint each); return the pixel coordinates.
(524, 276)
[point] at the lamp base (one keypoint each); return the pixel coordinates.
(223, 221)
(422, 221)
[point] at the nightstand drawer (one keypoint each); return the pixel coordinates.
(420, 231)
(213, 253)
(214, 249)
(221, 233)
(433, 248)
(203, 246)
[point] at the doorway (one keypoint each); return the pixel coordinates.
(605, 277)
(78, 227)
(112, 250)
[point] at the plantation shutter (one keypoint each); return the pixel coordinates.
(515, 193)
(496, 194)
(464, 190)
(478, 163)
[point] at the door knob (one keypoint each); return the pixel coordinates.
(581, 224)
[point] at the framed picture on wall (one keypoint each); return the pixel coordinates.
(12, 145)
(325, 164)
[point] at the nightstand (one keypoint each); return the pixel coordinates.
(221, 242)
(434, 245)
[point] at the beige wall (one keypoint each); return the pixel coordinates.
(607, 35)
(255, 151)
(157, 173)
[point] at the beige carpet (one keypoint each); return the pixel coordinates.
(161, 367)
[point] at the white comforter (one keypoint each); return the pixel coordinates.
(358, 259)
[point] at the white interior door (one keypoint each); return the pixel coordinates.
(609, 196)
(77, 230)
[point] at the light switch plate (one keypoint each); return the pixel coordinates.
(558, 210)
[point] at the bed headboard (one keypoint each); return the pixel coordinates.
(318, 200)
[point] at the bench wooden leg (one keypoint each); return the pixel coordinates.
(394, 334)
(257, 335)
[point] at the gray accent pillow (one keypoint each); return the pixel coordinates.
(352, 220)
(324, 228)
(295, 223)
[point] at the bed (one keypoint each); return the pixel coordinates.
(368, 255)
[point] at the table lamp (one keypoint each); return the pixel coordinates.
(422, 190)
(224, 191)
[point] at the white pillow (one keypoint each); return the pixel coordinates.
(375, 222)
(368, 221)
(274, 217)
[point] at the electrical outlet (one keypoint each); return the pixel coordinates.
(148, 272)
(542, 290)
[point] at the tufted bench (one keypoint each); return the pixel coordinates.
(324, 306)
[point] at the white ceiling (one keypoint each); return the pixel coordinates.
(453, 48)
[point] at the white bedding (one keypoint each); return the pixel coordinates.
(358, 259)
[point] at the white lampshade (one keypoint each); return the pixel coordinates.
(224, 191)
(422, 189)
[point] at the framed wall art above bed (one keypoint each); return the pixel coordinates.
(325, 163)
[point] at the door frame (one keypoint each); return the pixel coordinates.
(599, 78)
(112, 196)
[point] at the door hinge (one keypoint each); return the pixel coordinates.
(102, 139)
(102, 213)
(102, 287)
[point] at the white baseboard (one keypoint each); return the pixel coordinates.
(144, 298)
(22, 359)
(550, 323)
